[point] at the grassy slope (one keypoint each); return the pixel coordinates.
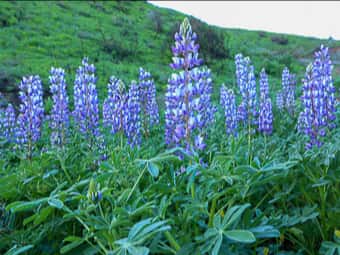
(119, 37)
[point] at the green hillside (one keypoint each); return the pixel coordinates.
(121, 36)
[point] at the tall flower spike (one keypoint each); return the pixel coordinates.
(246, 81)
(7, 123)
(228, 103)
(323, 68)
(188, 97)
(264, 85)
(149, 106)
(266, 117)
(288, 90)
(114, 104)
(86, 111)
(265, 120)
(132, 118)
(279, 100)
(59, 119)
(318, 99)
(31, 112)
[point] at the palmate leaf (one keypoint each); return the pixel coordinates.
(241, 236)
(213, 238)
(138, 235)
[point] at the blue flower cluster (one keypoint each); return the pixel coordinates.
(114, 104)
(227, 100)
(246, 81)
(8, 123)
(31, 112)
(188, 97)
(59, 119)
(318, 99)
(286, 97)
(265, 120)
(149, 106)
(86, 109)
(132, 115)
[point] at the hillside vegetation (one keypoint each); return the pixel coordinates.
(122, 36)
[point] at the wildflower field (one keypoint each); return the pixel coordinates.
(194, 168)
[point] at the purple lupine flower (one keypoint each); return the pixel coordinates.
(188, 98)
(265, 120)
(241, 113)
(86, 111)
(228, 103)
(318, 99)
(313, 112)
(31, 112)
(59, 119)
(266, 117)
(288, 90)
(114, 104)
(132, 116)
(285, 81)
(8, 123)
(246, 81)
(323, 68)
(199, 142)
(264, 85)
(149, 106)
(279, 100)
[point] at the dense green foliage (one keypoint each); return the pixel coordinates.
(245, 195)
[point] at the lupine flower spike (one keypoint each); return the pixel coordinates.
(86, 111)
(265, 121)
(59, 119)
(113, 106)
(132, 116)
(318, 99)
(31, 112)
(228, 103)
(149, 106)
(188, 97)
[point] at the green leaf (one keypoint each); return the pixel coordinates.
(153, 169)
(217, 245)
(20, 206)
(15, 250)
(75, 242)
(233, 215)
(55, 203)
(242, 236)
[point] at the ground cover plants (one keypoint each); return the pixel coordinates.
(255, 172)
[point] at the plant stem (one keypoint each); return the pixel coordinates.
(172, 241)
(212, 212)
(135, 185)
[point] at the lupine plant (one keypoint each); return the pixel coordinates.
(149, 106)
(31, 113)
(8, 123)
(132, 116)
(86, 109)
(265, 120)
(246, 81)
(228, 103)
(288, 91)
(113, 106)
(318, 99)
(59, 119)
(279, 100)
(187, 100)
